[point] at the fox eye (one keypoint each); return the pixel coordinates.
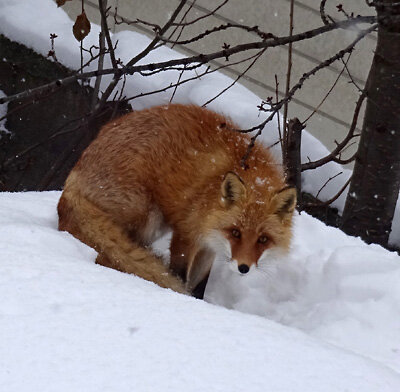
(236, 233)
(263, 239)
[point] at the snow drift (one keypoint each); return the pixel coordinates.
(68, 324)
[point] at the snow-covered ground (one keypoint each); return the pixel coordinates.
(332, 286)
(67, 324)
(330, 311)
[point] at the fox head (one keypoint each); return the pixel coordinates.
(253, 222)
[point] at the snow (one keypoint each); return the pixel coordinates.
(332, 286)
(68, 324)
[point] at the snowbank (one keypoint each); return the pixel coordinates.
(332, 286)
(67, 324)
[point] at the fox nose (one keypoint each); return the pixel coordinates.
(243, 268)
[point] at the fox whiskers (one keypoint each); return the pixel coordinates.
(268, 269)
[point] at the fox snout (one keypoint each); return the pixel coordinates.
(243, 268)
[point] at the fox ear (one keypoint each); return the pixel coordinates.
(285, 201)
(232, 189)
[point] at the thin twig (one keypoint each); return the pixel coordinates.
(329, 91)
(352, 79)
(279, 118)
(183, 26)
(81, 42)
(216, 29)
(100, 64)
(106, 32)
(287, 88)
(340, 146)
(155, 27)
(176, 85)
(257, 56)
(81, 53)
(212, 12)
(324, 18)
(327, 182)
(331, 200)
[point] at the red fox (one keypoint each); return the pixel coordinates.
(177, 167)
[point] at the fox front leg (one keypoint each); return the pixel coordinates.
(191, 263)
(182, 254)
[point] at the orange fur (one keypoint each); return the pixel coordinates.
(175, 167)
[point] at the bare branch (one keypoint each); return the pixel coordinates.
(106, 32)
(324, 17)
(306, 75)
(340, 146)
(100, 65)
(287, 88)
(256, 57)
(219, 28)
(259, 128)
(327, 182)
(292, 155)
(279, 119)
(331, 200)
(352, 79)
(197, 76)
(203, 16)
(330, 90)
(181, 27)
(118, 20)
(201, 58)
(118, 72)
(177, 84)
